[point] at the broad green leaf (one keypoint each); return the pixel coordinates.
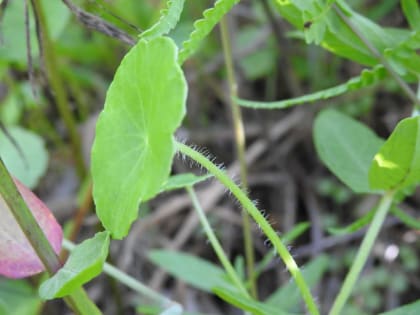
(346, 147)
(195, 271)
(288, 297)
(397, 164)
(85, 263)
(134, 145)
(17, 257)
(366, 78)
(13, 45)
(411, 9)
(355, 226)
(29, 164)
(204, 26)
(336, 36)
(17, 297)
(183, 180)
(169, 17)
(248, 304)
(409, 309)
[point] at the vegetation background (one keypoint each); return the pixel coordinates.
(286, 177)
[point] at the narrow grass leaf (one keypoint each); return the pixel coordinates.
(346, 147)
(288, 297)
(196, 272)
(204, 26)
(409, 309)
(247, 304)
(366, 78)
(405, 218)
(355, 226)
(411, 9)
(85, 262)
(169, 18)
(397, 164)
(134, 145)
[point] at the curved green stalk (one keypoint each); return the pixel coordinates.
(363, 253)
(261, 221)
(215, 242)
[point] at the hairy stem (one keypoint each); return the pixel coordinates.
(240, 152)
(363, 253)
(215, 242)
(261, 221)
(57, 85)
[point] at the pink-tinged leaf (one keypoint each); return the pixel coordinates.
(17, 257)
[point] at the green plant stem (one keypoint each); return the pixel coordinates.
(215, 243)
(130, 282)
(261, 221)
(79, 302)
(403, 85)
(57, 85)
(240, 152)
(363, 253)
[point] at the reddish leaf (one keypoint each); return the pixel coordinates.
(17, 257)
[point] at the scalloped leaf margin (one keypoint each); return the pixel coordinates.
(204, 26)
(169, 18)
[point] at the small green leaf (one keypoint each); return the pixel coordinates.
(411, 10)
(195, 271)
(397, 164)
(29, 164)
(85, 263)
(134, 146)
(183, 180)
(409, 309)
(247, 304)
(288, 296)
(169, 17)
(347, 148)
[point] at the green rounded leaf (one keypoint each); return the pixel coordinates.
(134, 146)
(27, 158)
(346, 147)
(397, 164)
(85, 262)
